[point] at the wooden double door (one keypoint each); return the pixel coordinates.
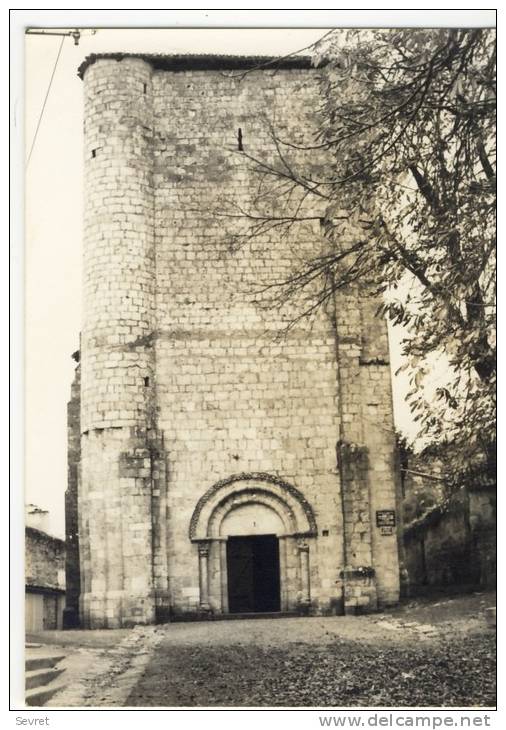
(253, 574)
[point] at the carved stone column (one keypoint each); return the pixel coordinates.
(305, 588)
(204, 576)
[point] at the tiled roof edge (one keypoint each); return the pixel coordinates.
(42, 587)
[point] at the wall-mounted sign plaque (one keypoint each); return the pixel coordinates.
(385, 518)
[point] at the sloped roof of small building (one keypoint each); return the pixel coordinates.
(39, 534)
(202, 62)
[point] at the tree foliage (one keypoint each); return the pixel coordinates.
(407, 132)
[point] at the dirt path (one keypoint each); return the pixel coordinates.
(100, 669)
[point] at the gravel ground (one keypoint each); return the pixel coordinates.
(343, 673)
(434, 652)
(424, 654)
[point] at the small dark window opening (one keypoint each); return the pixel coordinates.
(146, 382)
(325, 533)
(239, 140)
(94, 152)
(145, 88)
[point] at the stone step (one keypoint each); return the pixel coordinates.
(38, 696)
(42, 661)
(266, 614)
(41, 677)
(188, 617)
(29, 645)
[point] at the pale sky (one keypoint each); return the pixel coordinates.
(54, 226)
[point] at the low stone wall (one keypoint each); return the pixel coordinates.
(454, 543)
(483, 524)
(44, 560)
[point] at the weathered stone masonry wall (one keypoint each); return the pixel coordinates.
(44, 560)
(366, 451)
(44, 580)
(455, 543)
(180, 368)
(232, 399)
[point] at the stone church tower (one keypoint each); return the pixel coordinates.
(215, 468)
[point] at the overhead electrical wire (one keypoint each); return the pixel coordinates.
(45, 101)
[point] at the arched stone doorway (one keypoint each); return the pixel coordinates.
(267, 524)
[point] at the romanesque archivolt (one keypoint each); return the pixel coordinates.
(295, 511)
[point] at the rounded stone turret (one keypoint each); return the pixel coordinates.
(119, 284)
(117, 348)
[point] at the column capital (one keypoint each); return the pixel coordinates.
(203, 548)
